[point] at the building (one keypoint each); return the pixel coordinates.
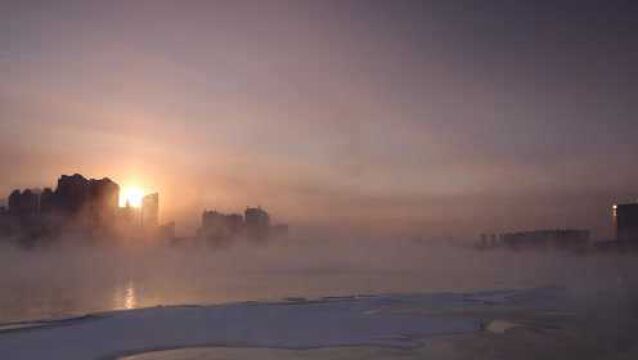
(47, 201)
(218, 227)
(558, 239)
(129, 219)
(24, 203)
(79, 205)
(257, 223)
(71, 194)
(257, 217)
(102, 201)
(150, 211)
(167, 231)
(76, 194)
(625, 221)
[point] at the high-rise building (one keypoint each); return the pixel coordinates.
(220, 227)
(150, 211)
(75, 194)
(47, 201)
(257, 223)
(78, 204)
(24, 203)
(72, 193)
(103, 197)
(625, 218)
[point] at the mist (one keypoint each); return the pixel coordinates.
(71, 278)
(447, 118)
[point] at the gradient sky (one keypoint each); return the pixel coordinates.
(446, 117)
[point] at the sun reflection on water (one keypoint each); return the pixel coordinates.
(125, 297)
(130, 301)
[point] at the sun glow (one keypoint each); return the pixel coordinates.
(131, 196)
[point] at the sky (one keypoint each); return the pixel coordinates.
(441, 118)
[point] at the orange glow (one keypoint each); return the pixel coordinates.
(131, 196)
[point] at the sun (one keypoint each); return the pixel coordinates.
(131, 196)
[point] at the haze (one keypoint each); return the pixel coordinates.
(436, 118)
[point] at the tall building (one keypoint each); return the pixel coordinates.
(71, 194)
(75, 194)
(150, 211)
(257, 223)
(24, 203)
(78, 204)
(625, 218)
(129, 218)
(47, 201)
(103, 197)
(219, 227)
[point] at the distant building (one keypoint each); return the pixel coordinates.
(556, 239)
(75, 195)
(625, 220)
(129, 219)
(47, 201)
(24, 203)
(257, 223)
(218, 227)
(559, 239)
(103, 201)
(72, 193)
(77, 204)
(150, 211)
(167, 231)
(6, 222)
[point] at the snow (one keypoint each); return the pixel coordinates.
(388, 320)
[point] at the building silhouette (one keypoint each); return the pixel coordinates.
(129, 219)
(72, 193)
(103, 201)
(24, 203)
(625, 220)
(89, 209)
(150, 212)
(47, 201)
(257, 223)
(79, 205)
(220, 228)
(555, 239)
(78, 196)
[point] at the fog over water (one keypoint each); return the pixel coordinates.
(411, 148)
(72, 279)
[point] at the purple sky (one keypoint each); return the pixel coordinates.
(447, 117)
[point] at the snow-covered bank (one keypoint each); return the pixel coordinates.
(391, 320)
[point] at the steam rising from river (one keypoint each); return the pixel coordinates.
(71, 279)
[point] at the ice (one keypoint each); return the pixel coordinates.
(388, 320)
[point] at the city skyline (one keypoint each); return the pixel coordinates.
(101, 211)
(41, 213)
(442, 119)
